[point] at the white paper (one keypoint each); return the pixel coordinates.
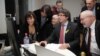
(52, 46)
(31, 47)
(55, 47)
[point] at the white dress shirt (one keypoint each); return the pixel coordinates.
(94, 11)
(93, 45)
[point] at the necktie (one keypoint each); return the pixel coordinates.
(89, 41)
(61, 39)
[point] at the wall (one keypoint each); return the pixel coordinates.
(74, 6)
(98, 1)
(3, 28)
(34, 4)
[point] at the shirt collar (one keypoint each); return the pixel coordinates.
(66, 23)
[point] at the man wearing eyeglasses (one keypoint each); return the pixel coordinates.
(66, 33)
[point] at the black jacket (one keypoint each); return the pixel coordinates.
(97, 34)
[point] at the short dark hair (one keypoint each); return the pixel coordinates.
(59, 1)
(66, 13)
(47, 9)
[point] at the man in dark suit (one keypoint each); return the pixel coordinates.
(93, 6)
(43, 15)
(66, 33)
(91, 36)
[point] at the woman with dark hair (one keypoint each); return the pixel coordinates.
(30, 27)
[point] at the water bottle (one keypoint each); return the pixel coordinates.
(83, 53)
(26, 39)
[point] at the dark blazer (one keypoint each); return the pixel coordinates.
(46, 31)
(38, 16)
(97, 34)
(72, 37)
(97, 9)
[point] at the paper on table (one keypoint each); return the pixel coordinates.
(31, 47)
(65, 52)
(55, 47)
(52, 46)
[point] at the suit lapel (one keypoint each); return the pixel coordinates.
(58, 30)
(68, 26)
(84, 36)
(68, 29)
(97, 33)
(85, 32)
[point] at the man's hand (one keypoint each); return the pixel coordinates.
(64, 46)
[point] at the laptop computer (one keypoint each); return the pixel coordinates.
(41, 51)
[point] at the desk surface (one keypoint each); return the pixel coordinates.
(53, 47)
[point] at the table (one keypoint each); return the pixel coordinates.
(52, 46)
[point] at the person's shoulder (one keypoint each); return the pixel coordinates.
(98, 4)
(36, 11)
(22, 28)
(58, 26)
(83, 8)
(97, 25)
(73, 23)
(98, 22)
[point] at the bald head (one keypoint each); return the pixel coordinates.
(55, 16)
(87, 18)
(90, 0)
(87, 13)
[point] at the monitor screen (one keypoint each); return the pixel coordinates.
(12, 37)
